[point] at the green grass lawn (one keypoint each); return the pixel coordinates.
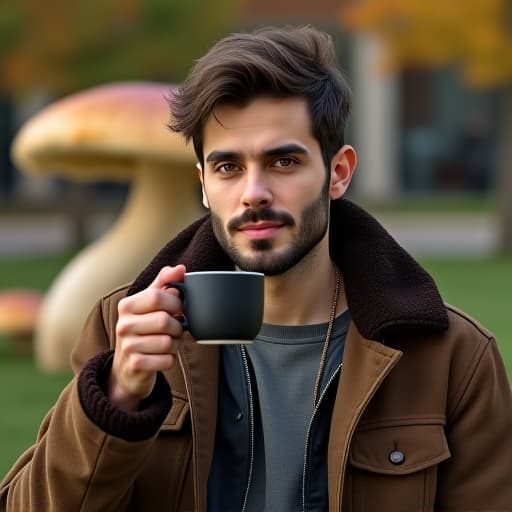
(25, 397)
(25, 393)
(446, 203)
(479, 286)
(482, 288)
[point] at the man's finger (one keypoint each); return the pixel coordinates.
(168, 275)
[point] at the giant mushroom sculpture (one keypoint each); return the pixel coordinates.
(116, 132)
(19, 311)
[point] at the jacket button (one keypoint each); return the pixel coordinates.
(396, 457)
(239, 416)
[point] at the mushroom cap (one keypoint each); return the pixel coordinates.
(19, 310)
(104, 131)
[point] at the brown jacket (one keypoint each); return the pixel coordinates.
(420, 381)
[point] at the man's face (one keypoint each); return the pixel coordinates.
(265, 182)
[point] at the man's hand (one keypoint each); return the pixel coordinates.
(148, 335)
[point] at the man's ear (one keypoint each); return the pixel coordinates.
(343, 166)
(200, 174)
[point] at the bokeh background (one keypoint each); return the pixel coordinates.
(432, 124)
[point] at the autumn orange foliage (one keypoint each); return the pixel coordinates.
(475, 34)
(63, 46)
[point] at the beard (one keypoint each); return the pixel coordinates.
(313, 224)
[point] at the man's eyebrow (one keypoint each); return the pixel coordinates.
(286, 149)
(217, 156)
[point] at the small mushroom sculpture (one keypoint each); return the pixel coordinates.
(116, 131)
(19, 311)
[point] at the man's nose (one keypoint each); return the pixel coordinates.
(256, 192)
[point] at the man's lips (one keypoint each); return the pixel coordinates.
(260, 230)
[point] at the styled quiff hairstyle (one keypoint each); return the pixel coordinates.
(275, 62)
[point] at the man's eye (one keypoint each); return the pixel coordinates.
(226, 168)
(284, 162)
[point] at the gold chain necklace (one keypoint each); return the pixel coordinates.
(323, 357)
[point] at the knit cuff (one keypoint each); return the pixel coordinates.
(130, 426)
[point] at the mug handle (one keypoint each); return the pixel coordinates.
(181, 290)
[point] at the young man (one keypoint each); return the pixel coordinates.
(363, 392)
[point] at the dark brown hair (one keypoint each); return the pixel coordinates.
(277, 62)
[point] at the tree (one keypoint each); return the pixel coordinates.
(476, 35)
(65, 46)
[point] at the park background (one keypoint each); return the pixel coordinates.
(432, 124)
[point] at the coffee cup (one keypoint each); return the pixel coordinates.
(222, 307)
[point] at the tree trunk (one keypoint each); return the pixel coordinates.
(504, 182)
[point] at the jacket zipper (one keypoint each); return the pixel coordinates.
(308, 435)
(251, 426)
(194, 440)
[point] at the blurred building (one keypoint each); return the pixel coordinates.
(416, 132)
(6, 134)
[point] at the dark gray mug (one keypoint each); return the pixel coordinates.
(222, 307)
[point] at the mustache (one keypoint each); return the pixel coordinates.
(253, 215)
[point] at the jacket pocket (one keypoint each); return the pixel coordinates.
(179, 412)
(167, 472)
(395, 468)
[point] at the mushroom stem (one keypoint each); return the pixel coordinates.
(161, 202)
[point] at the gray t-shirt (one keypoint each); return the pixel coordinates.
(285, 361)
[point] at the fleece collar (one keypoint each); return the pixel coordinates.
(388, 292)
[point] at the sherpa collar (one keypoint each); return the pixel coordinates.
(387, 291)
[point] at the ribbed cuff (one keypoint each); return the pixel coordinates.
(130, 426)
